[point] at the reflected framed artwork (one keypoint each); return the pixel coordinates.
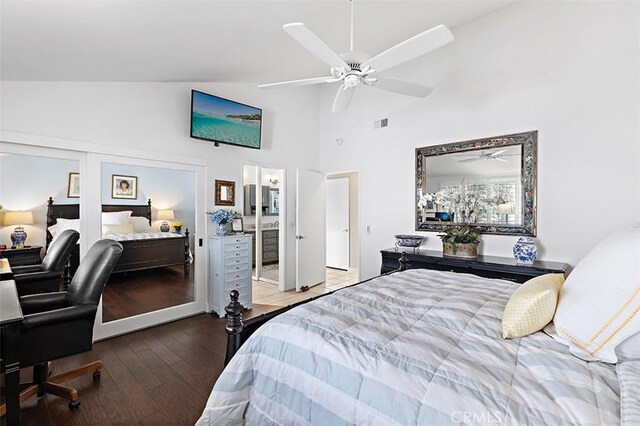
(124, 187)
(73, 185)
(225, 193)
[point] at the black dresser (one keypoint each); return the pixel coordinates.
(30, 255)
(485, 266)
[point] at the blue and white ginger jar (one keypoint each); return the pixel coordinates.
(525, 250)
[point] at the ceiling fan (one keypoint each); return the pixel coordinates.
(496, 155)
(355, 68)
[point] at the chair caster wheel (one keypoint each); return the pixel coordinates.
(73, 405)
(96, 375)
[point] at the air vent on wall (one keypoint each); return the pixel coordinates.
(378, 124)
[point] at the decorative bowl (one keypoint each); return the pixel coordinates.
(409, 240)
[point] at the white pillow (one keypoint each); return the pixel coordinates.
(117, 229)
(116, 218)
(140, 224)
(64, 224)
(599, 305)
(629, 350)
(53, 230)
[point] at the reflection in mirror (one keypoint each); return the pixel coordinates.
(489, 183)
(225, 193)
(155, 228)
(23, 197)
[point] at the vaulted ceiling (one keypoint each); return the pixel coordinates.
(222, 41)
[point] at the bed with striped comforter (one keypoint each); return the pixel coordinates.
(140, 236)
(418, 347)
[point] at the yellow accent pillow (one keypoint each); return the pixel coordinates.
(532, 306)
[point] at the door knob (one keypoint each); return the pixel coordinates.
(299, 237)
(346, 230)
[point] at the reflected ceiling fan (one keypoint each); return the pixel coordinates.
(354, 68)
(496, 155)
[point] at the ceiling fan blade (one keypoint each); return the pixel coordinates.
(303, 82)
(497, 153)
(402, 87)
(343, 98)
(410, 49)
(314, 44)
(469, 160)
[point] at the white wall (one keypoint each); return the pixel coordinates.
(26, 183)
(167, 189)
(155, 117)
(568, 69)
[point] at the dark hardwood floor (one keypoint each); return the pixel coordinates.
(138, 292)
(158, 376)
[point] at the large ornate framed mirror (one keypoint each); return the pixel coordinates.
(489, 183)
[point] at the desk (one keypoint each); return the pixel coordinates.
(10, 319)
(5, 270)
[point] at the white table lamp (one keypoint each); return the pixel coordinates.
(165, 215)
(19, 218)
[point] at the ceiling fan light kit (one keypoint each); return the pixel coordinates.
(355, 68)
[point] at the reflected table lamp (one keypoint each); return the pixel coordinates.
(165, 215)
(506, 209)
(19, 218)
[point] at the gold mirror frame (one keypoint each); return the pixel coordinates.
(231, 190)
(529, 143)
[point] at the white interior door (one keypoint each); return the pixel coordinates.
(338, 223)
(310, 228)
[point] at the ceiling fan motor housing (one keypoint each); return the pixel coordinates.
(355, 59)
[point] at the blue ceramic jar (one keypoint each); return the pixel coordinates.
(525, 250)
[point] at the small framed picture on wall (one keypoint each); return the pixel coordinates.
(73, 185)
(124, 187)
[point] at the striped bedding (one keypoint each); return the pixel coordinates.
(141, 236)
(418, 347)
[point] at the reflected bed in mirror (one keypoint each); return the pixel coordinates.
(489, 183)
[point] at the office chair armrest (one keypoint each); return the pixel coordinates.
(17, 270)
(37, 276)
(68, 314)
(43, 302)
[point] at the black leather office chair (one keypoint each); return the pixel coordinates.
(60, 324)
(45, 277)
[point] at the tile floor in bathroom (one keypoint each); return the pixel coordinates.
(268, 294)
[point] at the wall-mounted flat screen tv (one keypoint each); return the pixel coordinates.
(217, 119)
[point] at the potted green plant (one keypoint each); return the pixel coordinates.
(460, 241)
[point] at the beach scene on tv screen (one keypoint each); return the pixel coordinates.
(222, 120)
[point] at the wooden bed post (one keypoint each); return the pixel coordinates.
(66, 275)
(50, 222)
(148, 215)
(403, 261)
(234, 325)
(187, 260)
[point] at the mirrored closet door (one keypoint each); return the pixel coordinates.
(29, 185)
(151, 207)
(151, 212)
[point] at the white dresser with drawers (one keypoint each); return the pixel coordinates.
(229, 269)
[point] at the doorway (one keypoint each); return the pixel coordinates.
(343, 236)
(262, 214)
